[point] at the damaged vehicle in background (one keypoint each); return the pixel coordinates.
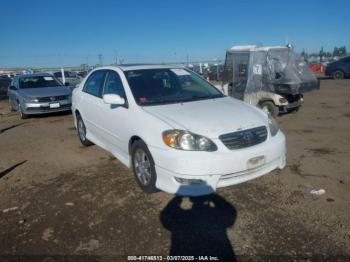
(38, 94)
(272, 78)
(175, 130)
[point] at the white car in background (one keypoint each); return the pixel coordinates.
(175, 130)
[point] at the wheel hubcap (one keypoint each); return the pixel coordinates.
(81, 130)
(338, 75)
(266, 109)
(142, 167)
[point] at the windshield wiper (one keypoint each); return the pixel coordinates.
(196, 98)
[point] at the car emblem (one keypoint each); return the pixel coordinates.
(52, 98)
(247, 137)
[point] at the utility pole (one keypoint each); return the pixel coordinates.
(100, 59)
(116, 57)
(188, 59)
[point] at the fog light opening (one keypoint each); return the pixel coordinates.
(283, 100)
(186, 181)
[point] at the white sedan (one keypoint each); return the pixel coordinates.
(174, 129)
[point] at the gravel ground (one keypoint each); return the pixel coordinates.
(59, 198)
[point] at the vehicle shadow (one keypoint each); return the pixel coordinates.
(200, 228)
(48, 115)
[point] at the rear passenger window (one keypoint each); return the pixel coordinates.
(114, 85)
(94, 84)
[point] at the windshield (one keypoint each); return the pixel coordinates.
(285, 65)
(38, 82)
(165, 86)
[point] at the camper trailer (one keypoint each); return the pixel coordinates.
(272, 78)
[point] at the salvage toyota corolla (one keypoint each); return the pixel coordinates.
(174, 129)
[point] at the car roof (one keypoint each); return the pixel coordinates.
(36, 74)
(252, 48)
(129, 67)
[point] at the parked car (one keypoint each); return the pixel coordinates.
(175, 130)
(71, 78)
(38, 94)
(82, 74)
(4, 84)
(339, 69)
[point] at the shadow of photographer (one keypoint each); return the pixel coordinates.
(198, 226)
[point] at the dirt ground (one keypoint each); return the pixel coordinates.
(59, 198)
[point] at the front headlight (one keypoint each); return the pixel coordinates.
(30, 100)
(184, 140)
(273, 126)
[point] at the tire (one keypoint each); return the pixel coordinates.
(81, 129)
(11, 106)
(143, 167)
(338, 74)
(270, 108)
(21, 114)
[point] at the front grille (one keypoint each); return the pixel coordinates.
(67, 106)
(52, 98)
(244, 138)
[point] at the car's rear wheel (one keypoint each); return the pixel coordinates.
(82, 132)
(269, 108)
(21, 114)
(338, 75)
(143, 167)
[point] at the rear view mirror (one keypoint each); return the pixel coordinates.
(113, 99)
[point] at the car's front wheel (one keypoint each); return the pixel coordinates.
(82, 132)
(338, 75)
(21, 114)
(143, 167)
(269, 108)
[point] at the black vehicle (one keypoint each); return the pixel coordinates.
(4, 84)
(339, 69)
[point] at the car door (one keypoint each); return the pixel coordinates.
(346, 64)
(115, 119)
(90, 104)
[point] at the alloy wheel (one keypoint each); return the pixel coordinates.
(81, 130)
(266, 109)
(142, 167)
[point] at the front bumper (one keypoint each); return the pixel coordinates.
(215, 169)
(42, 108)
(293, 105)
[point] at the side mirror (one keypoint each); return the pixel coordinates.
(113, 99)
(12, 88)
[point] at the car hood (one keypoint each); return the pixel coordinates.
(210, 118)
(45, 91)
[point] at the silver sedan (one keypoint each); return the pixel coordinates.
(38, 94)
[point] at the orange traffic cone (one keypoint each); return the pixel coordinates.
(322, 69)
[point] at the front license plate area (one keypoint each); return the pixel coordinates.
(54, 105)
(256, 162)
